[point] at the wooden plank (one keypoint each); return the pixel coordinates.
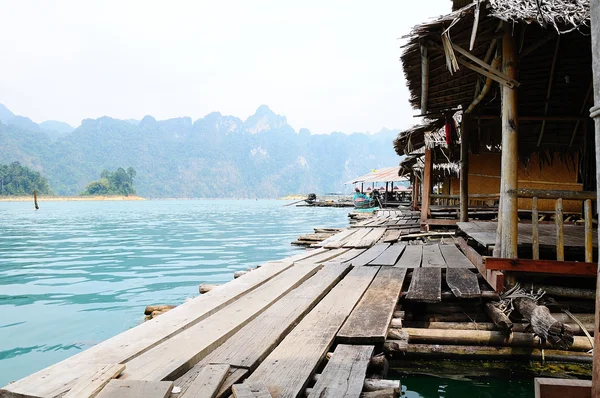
(357, 237)
(391, 235)
(371, 238)
(494, 278)
(346, 257)
(432, 257)
(426, 285)
(454, 258)
(287, 370)
(561, 388)
(60, 377)
(389, 256)
(411, 257)
(90, 385)
(250, 390)
(257, 339)
(344, 375)
(369, 255)
(136, 389)
(463, 282)
(207, 382)
(542, 266)
(370, 320)
(328, 255)
(337, 240)
(178, 354)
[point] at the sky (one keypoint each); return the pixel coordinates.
(326, 65)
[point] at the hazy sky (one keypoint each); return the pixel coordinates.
(326, 65)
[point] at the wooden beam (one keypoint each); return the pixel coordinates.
(589, 230)
(537, 118)
(571, 268)
(560, 231)
(510, 153)
(494, 278)
(415, 197)
(510, 82)
(549, 91)
(535, 229)
(560, 388)
(537, 45)
(464, 167)
(554, 194)
(583, 108)
(427, 169)
(424, 78)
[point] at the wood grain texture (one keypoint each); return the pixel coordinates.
(389, 256)
(287, 370)
(369, 255)
(90, 385)
(60, 377)
(544, 266)
(371, 238)
(411, 257)
(250, 390)
(454, 257)
(181, 352)
(432, 257)
(344, 375)
(136, 389)
(463, 282)
(355, 239)
(391, 236)
(207, 382)
(426, 285)
(370, 320)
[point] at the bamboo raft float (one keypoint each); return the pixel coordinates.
(322, 323)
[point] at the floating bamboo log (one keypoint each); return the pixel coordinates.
(517, 327)
(498, 317)
(544, 324)
(570, 292)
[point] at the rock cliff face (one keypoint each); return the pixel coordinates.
(215, 156)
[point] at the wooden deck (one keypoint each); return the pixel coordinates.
(484, 232)
(304, 325)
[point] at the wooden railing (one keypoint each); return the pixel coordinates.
(453, 200)
(585, 196)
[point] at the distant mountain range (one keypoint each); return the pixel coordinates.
(213, 157)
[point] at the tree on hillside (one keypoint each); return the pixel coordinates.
(119, 182)
(20, 180)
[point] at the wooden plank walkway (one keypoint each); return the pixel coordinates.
(266, 333)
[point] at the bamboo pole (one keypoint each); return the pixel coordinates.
(424, 78)
(589, 229)
(560, 231)
(510, 153)
(535, 229)
(595, 114)
(464, 169)
(427, 168)
(35, 200)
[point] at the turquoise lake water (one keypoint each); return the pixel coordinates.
(73, 274)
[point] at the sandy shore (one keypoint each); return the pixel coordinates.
(67, 198)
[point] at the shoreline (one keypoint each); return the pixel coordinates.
(69, 198)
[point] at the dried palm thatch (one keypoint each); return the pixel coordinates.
(564, 15)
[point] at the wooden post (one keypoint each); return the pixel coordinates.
(510, 154)
(535, 229)
(595, 114)
(589, 229)
(464, 168)
(427, 168)
(560, 232)
(424, 79)
(415, 197)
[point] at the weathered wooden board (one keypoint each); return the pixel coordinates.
(463, 282)
(182, 351)
(323, 257)
(287, 370)
(60, 377)
(432, 257)
(338, 240)
(89, 385)
(411, 257)
(346, 257)
(250, 390)
(355, 239)
(369, 255)
(371, 238)
(136, 389)
(389, 256)
(454, 257)
(344, 374)
(258, 338)
(370, 320)
(426, 285)
(207, 382)
(391, 235)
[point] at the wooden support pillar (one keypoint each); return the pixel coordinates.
(424, 78)
(510, 154)
(464, 168)
(415, 192)
(595, 114)
(427, 169)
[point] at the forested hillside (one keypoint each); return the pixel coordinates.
(216, 156)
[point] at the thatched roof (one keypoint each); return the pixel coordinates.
(539, 47)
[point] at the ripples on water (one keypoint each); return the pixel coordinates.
(75, 273)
